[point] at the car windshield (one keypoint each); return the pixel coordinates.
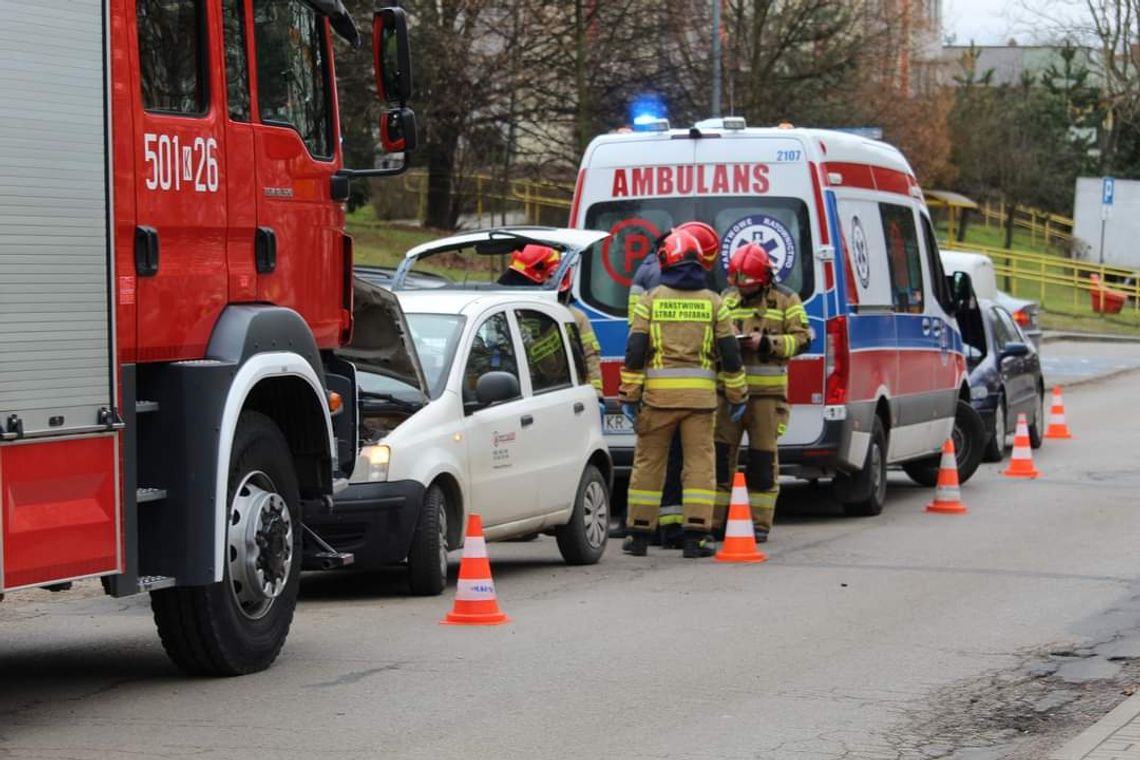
(781, 225)
(436, 337)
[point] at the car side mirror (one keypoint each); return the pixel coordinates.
(496, 387)
(1014, 349)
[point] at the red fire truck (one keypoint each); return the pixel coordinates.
(175, 279)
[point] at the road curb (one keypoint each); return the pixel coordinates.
(1102, 731)
(1074, 337)
(1095, 378)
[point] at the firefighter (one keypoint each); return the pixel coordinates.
(647, 277)
(773, 327)
(679, 331)
(535, 264)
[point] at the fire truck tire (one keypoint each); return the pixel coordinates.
(238, 626)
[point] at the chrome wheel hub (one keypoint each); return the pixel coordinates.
(595, 514)
(259, 545)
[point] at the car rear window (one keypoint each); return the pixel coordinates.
(782, 225)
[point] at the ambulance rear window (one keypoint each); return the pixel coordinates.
(781, 225)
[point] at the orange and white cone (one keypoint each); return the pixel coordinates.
(475, 602)
(739, 537)
(1057, 426)
(1021, 463)
(947, 496)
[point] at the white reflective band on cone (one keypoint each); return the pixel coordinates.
(738, 529)
(739, 495)
(947, 493)
(948, 462)
(475, 591)
(475, 547)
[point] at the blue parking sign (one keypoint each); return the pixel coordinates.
(1108, 191)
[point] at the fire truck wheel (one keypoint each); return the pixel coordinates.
(239, 625)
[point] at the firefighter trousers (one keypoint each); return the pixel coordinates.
(765, 420)
(655, 428)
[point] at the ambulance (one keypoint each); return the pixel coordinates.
(884, 381)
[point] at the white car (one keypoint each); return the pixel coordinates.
(492, 415)
(980, 267)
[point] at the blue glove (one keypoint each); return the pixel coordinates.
(736, 412)
(630, 412)
(602, 410)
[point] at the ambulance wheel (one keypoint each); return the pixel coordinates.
(865, 492)
(582, 540)
(239, 625)
(427, 559)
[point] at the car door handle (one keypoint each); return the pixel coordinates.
(579, 407)
(527, 420)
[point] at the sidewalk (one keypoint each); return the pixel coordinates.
(1116, 736)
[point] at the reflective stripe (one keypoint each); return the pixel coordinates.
(789, 345)
(681, 372)
(698, 496)
(707, 348)
(767, 382)
(596, 382)
(765, 369)
(738, 529)
(734, 380)
(766, 500)
(722, 498)
(651, 498)
(657, 341)
(671, 520)
(681, 384)
(781, 428)
(724, 312)
(636, 378)
(743, 313)
(474, 547)
(773, 314)
(480, 590)
(641, 310)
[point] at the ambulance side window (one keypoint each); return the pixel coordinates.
(938, 284)
(172, 58)
(904, 257)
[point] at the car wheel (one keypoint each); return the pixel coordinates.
(1037, 427)
(871, 481)
(582, 541)
(239, 625)
(427, 559)
(969, 435)
(995, 449)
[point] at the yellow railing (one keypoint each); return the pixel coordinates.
(532, 195)
(1050, 228)
(1055, 281)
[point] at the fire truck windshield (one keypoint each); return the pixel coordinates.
(781, 225)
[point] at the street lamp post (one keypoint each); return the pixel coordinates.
(715, 58)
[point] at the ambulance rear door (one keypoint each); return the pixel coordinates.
(759, 189)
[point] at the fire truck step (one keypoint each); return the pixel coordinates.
(154, 582)
(144, 495)
(142, 407)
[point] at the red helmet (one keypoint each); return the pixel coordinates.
(750, 266)
(535, 262)
(706, 239)
(678, 247)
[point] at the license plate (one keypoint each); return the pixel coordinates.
(617, 423)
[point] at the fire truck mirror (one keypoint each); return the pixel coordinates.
(398, 130)
(391, 57)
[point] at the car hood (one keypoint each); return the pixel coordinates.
(381, 341)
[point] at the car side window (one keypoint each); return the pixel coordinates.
(904, 257)
(1008, 331)
(577, 352)
(545, 351)
(491, 351)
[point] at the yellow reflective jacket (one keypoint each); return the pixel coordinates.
(676, 338)
(779, 314)
(591, 350)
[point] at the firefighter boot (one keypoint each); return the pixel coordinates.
(672, 536)
(697, 545)
(636, 543)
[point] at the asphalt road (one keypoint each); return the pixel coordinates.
(908, 635)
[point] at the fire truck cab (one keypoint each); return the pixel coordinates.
(177, 277)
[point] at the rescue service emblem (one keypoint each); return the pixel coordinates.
(859, 252)
(767, 232)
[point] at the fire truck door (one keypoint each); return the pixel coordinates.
(180, 238)
(299, 245)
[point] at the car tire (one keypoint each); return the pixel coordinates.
(871, 480)
(1037, 427)
(995, 448)
(969, 434)
(582, 540)
(233, 627)
(427, 557)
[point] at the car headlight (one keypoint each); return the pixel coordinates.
(372, 466)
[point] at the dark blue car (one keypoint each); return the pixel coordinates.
(1005, 377)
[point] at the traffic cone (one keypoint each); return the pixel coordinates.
(475, 602)
(1021, 463)
(1057, 426)
(739, 537)
(947, 497)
